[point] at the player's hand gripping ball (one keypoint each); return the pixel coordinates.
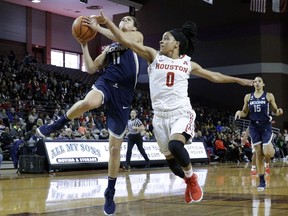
(82, 32)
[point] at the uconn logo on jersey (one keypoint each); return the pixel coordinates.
(256, 101)
(116, 48)
(115, 52)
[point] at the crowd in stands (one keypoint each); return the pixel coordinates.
(23, 84)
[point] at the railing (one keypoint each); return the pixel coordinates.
(25, 106)
(244, 123)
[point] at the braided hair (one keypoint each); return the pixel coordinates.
(186, 36)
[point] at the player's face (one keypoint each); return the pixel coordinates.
(168, 44)
(127, 24)
(258, 83)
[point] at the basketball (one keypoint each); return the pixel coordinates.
(82, 32)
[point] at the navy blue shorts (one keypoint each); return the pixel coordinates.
(261, 132)
(118, 100)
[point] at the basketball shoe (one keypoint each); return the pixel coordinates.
(46, 130)
(267, 170)
(262, 183)
(253, 172)
(193, 192)
(109, 206)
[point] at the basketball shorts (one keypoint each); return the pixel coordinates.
(261, 133)
(118, 101)
(167, 123)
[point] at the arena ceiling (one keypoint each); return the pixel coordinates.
(75, 8)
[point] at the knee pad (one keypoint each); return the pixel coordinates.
(176, 147)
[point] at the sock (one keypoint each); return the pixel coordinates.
(188, 173)
(63, 120)
(66, 118)
(111, 182)
(261, 177)
(253, 168)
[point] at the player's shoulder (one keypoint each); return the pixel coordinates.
(248, 96)
(269, 95)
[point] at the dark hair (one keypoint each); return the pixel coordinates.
(136, 23)
(260, 78)
(186, 36)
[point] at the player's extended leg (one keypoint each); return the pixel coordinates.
(269, 152)
(260, 166)
(113, 168)
(193, 191)
(91, 101)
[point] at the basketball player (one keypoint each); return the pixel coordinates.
(115, 88)
(169, 70)
(134, 128)
(253, 171)
(258, 105)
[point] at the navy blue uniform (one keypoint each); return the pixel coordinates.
(260, 128)
(117, 84)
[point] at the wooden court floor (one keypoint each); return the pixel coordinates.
(228, 190)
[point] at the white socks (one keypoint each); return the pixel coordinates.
(188, 173)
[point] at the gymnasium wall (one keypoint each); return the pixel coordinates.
(232, 40)
(47, 30)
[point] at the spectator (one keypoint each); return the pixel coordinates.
(15, 151)
(5, 118)
(246, 148)
(2, 126)
(82, 129)
(219, 127)
(7, 141)
(12, 115)
(104, 134)
(56, 114)
(233, 148)
(64, 134)
(16, 131)
(39, 122)
(30, 123)
(281, 145)
(34, 113)
(220, 149)
(99, 123)
(209, 148)
(31, 140)
(88, 136)
(11, 57)
(48, 120)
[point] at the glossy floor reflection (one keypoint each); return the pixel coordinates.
(228, 190)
